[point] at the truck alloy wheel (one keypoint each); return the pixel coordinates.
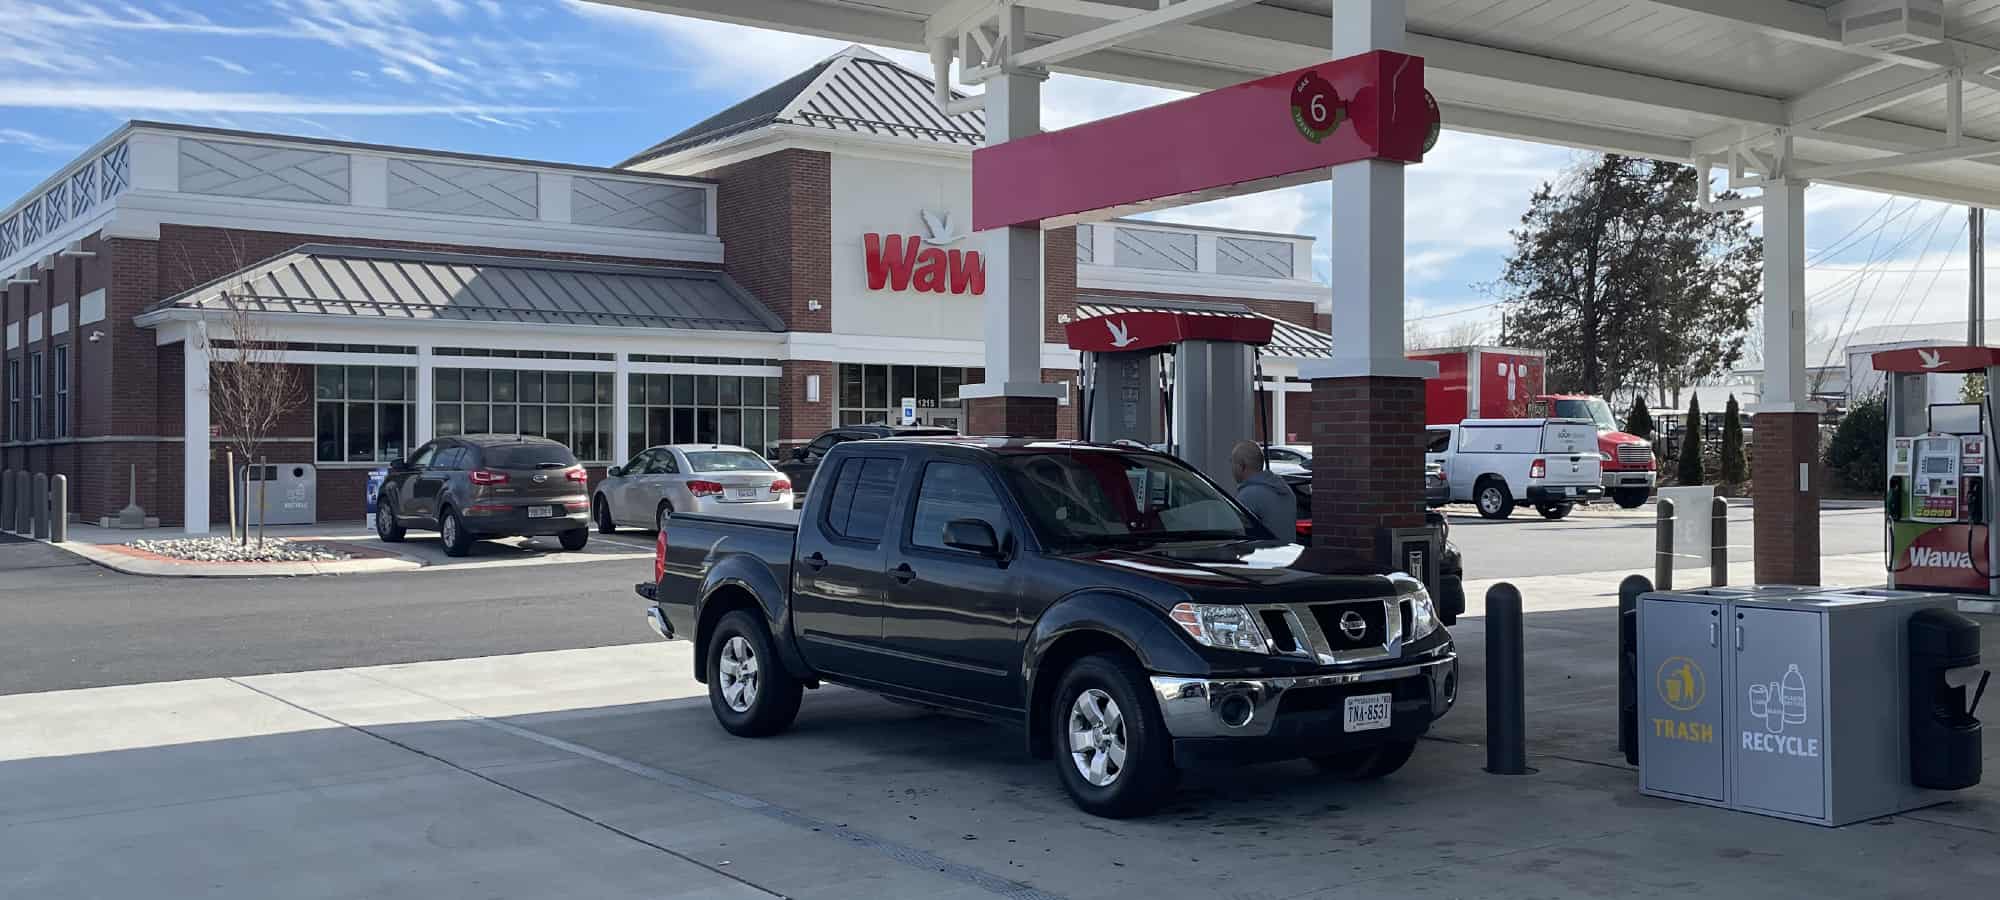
(738, 674)
(1493, 500)
(1097, 737)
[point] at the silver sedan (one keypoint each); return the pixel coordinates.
(689, 478)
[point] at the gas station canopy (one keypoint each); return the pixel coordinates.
(1891, 95)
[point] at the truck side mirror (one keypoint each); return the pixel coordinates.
(972, 535)
(799, 454)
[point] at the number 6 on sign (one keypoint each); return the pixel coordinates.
(1317, 109)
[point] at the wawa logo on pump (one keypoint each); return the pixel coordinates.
(908, 262)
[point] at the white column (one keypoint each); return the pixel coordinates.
(194, 431)
(1367, 246)
(1278, 396)
(1784, 387)
(621, 408)
(1013, 315)
(426, 398)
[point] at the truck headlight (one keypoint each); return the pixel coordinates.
(1423, 609)
(1221, 627)
(1604, 455)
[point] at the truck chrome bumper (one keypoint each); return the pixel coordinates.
(1213, 708)
(1626, 479)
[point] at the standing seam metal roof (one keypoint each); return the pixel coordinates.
(329, 280)
(861, 93)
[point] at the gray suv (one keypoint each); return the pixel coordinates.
(486, 485)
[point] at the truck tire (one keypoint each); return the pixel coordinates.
(1554, 511)
(1491, 496)
(1369, 764)
(451, 532)
(1112, 750)
(1631, 497)
(748, 687)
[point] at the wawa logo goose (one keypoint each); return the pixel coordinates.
(908, 262)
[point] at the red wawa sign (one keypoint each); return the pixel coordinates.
(910, 262)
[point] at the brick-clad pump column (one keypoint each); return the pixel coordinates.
(1784, 462)
(1368, 400)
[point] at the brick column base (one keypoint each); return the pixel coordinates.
(1368, 460)
(1024, 417)
(1786, 519)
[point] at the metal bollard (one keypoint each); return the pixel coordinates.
(1506, 683)
(24, 486)
(1663, 545)
(6, 499)
(1718, 543)
(58, 509)
(1629, 591)
(38, 511)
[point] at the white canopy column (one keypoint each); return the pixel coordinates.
(195, 442)
(1785, 478)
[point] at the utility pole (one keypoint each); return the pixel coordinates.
(1975, 318)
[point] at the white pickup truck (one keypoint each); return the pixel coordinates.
(1550, 464)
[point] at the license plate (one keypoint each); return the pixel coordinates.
(743, 493)
(541, 512)
(1572, 491)
(1369, 712)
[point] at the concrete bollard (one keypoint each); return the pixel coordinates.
(24, 486)
(38, 512)
(6, 499)
(1506, 683)
(58, 509)
(1663, 545)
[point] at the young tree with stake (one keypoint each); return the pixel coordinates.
(250, 389)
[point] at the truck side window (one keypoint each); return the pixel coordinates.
(954, 491)
(862, 492)
(1440, 441)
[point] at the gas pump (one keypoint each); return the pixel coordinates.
(1937, 508)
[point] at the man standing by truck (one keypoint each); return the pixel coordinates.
(1261, 491)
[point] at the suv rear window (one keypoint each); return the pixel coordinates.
(528, 456)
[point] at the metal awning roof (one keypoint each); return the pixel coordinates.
(1717, 80)
(1287, 340)
(371, 283)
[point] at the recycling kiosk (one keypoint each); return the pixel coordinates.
(1821, 705)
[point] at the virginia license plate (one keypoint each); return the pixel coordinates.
(541, 512)
(1368, 712)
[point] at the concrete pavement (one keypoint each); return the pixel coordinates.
(106, 547)
(600, 773)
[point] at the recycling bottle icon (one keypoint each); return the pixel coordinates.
(1780, 703)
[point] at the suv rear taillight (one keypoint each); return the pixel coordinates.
(781, 485)
(1538, 469)
(660, 552)
(705, 488)
(484, 476)
(577, 474)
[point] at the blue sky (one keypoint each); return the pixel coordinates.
(580, 82)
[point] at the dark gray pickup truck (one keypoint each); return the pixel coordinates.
(1130, 614)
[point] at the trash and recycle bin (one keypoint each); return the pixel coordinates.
(279, 494)
(1820, 705)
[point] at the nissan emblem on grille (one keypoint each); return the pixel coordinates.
(1353, 625)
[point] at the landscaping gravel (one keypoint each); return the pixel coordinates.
(222, 549)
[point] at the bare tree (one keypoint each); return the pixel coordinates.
(1465, 333)
(251, 389)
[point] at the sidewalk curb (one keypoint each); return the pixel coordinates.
(130, 564)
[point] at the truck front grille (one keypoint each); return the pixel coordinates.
(1634, 454)
(1340, 632)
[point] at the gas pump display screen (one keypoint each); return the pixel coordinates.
(1939, 465)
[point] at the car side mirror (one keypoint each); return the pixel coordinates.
(614, 471)
(400, 465)
(799, 454)
(972, 535)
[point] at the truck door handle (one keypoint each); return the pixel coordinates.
(903, 574)
(814, 562)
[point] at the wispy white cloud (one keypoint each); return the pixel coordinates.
(36, 142)
(228, 65)
(78, 95)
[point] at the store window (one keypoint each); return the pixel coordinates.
(62, 390)
(14, 432)
(873, 395)
(363, 413)
(703, 409)
(570, 408)
(36, 428)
